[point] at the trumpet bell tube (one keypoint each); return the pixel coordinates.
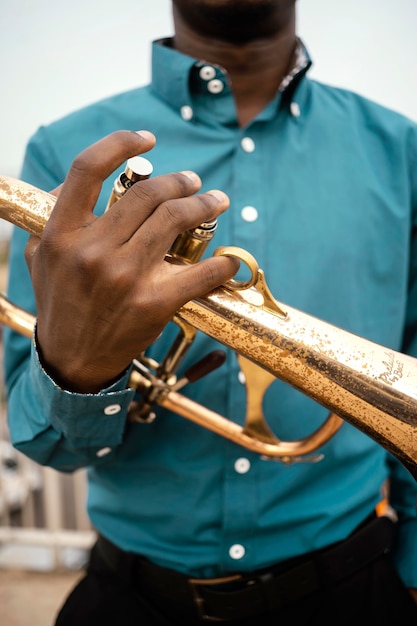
(363, 383)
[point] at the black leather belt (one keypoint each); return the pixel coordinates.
(244, 595)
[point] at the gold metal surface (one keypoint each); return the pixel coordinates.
(370, 386)
(136, 169)
(24, 205)
(15, 317)
(190, 246)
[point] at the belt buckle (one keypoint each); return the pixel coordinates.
(199, 601)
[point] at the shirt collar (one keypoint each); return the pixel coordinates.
(178, 78)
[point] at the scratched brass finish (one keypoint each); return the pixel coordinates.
(370, 386)
(24, 205)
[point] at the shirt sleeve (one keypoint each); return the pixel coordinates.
(51, 425)
(63, 429)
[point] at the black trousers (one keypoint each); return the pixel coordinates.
(374, 595)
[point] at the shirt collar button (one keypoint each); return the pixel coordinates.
(207, 72)
(215, 86)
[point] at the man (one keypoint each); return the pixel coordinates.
(322, 191)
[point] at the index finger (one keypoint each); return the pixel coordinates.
(89, 169)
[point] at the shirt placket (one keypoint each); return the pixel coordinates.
(242, 466)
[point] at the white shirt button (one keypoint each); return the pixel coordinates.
(103, 452)
(295, 109)
(248, 144)
(249, 214)
(112, 409)
(207, 72)
(242, 466)
(187, 113)
(215, 86)
(237, 551)
(241, 377)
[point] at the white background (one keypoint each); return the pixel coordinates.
(58, 56)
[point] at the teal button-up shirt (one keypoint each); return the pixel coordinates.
(323, 193)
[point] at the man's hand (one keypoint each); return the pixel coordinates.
(103, 289)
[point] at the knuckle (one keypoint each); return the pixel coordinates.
(214, 271)
(174, 213)
(121, 136)
(87, 266)
(81, 164)
(207, 201)
(84, 169)
(88, 259)
(188, 212)
(208, 276)
(143, 193)
(50, 243)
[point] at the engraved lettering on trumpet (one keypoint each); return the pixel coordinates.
(394, 370)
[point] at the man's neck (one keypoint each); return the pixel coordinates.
(256, 68)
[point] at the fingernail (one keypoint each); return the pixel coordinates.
(192, 176)
(220, 195)
(146, 134)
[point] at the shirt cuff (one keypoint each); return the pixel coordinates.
(83, 419)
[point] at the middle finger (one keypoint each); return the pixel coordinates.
(128, 214)
(174, 217)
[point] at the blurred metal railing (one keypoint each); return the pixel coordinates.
(43, 521)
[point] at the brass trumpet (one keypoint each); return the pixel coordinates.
(370, 386)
